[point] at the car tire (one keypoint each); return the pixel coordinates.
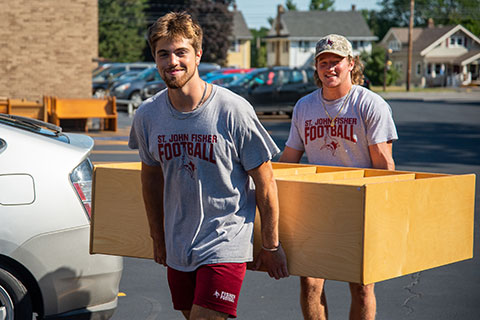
(136, 98)
(15, 300)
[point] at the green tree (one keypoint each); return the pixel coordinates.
(375, 64)
(217, 24)
(121, 29)
(291, 6)
(212, 15)
(443, 12)
(259, 48)
(377, 22)
(323, 5)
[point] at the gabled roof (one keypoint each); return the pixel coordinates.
(240, 29)
(316, 24)
(425, 39)
(468, 57)
(401, 34)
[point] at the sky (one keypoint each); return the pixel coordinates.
(256, 12)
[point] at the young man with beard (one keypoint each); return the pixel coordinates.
(340, 124)
(200, 145)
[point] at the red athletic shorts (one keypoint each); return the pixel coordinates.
(212, 286)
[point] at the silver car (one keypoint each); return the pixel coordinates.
(46, 270)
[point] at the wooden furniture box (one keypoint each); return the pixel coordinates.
(347, 224)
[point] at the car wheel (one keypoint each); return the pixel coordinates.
(99, 93)
(136, 99)
(15, 301)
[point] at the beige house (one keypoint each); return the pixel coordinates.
(240, 43)
(47, 47)
(441, 56)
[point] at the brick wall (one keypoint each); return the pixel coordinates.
(47, 47)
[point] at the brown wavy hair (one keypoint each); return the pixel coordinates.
(175, 25)
(356, 74)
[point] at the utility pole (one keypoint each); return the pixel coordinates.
(278, 29)
(410, 44)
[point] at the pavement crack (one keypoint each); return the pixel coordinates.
(413, 293)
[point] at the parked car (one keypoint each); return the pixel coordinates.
(206, 67)
(110, 73)
(275, 89)
(152, 88)
(45, 194)
(131, 89)
(224, 79)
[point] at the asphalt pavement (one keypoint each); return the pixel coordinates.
(438, 133)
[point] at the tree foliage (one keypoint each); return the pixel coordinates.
(375, 64)
(259, 53)
(290, 5)
(443, 12)
(323, 5)
(121, 29)
(212, 15)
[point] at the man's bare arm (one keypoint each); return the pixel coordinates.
(152, 189)
(267, 203)
(381, 155)
(290, 155)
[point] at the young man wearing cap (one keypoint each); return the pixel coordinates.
(199, 145)
(340, 124)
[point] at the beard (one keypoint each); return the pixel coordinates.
(177, 82)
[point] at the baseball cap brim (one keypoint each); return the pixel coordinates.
(338, 53)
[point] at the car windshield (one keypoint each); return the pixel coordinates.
(244, 79)
(33, 125)
(146, 74)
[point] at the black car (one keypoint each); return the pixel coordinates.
(275, 89)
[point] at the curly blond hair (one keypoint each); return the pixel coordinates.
(356, 74)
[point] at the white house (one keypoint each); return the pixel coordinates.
(292, 38)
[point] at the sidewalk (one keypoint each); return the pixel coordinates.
(466, 95)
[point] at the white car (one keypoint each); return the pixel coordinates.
(46, 270)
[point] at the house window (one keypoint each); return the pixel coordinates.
(419, 69)
(272, 46)
(457, 41)
(234, 46)
(304, 46)
(354, 45)
(394, 45)
(285, 46)
(399, 66)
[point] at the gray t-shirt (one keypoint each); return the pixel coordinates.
(209, 199)
(366, 119)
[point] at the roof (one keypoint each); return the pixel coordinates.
(316, 24)
(240, 29)
(468, 57)
(422, 37)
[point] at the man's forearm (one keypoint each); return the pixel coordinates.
(152, 190)
(267, 202)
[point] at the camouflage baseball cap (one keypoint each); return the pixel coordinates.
(334, 43)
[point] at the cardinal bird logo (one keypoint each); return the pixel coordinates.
(188, 165)
(330, 144)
